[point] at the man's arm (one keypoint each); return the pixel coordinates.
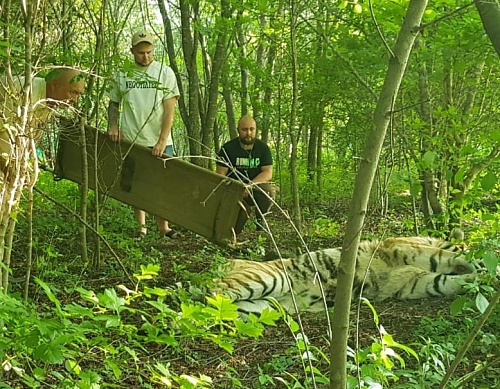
(221, 169)
(265, 175)
(113, 116)
(166, 126)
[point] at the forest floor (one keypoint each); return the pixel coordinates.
(274, 352)
(255, 362)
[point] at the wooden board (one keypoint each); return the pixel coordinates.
(185, 194)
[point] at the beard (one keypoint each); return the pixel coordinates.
(144, 64)
(247, 141)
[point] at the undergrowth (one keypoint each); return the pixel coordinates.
(83, 327)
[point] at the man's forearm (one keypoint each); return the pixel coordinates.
(113, 113)
(264, 176)
(166, 125)
(168, 118)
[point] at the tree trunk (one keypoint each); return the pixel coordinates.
(489, 11)
(363, 184)
(231, 117)
(212, 97)
(189, 44)
(268, 92)
(241, 43)
(294, 128)
(256, 92)
(20, 136)
(172, 55)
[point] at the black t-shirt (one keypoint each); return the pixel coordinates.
(248, 163)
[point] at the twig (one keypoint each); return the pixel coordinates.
(90, 228)
(468, 342)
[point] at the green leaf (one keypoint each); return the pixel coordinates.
(415, 189)
(495, 135)
(389, 341)
(481, 302)
(163, 308)
(253, 330)
(488, 182)
(293, 325)
(111, 321)
(269, 317)
(372, 308)
(457, 305)
(78, 311)
(50, 295)
(486, 216)
(114, 368)
(192, 312)
(490, 261)
(428, 159)
(72, 366)
(459, 176)
(88, 295)
(50, 353)
(154, 291)
(111, 300)
(222, 343)
(148, 272)
(225, 309)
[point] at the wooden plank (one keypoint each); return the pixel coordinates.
(195, 198)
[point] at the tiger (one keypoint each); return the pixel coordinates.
(404, 268)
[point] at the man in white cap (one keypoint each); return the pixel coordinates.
(147, 93)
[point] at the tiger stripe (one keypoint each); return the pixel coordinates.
(398, 268)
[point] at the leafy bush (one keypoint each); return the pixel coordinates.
(67, 343)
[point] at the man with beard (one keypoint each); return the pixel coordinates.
(147, 92)
(249, 160)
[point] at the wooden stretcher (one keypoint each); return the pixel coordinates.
(190, 196)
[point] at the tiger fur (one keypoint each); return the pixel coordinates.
(399, 268)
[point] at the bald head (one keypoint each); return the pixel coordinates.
(247, 131)
(64, 85)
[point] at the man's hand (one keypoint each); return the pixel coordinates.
(159, 148)
(248, 190)
(114, 133)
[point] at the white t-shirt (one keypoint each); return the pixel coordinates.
(10, 101)
(141, 93)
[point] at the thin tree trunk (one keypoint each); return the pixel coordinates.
(268, 91)
(363, 184)
(231, 116)
(16, 172)
(294, 130)
(189, 48)
(212, 97)
(84, 189)
(489, 11)
(240, 41)
(319, 162)
(256, 93)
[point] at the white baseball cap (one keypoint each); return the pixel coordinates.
(142, 36)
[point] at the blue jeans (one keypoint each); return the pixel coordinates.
(169, 150)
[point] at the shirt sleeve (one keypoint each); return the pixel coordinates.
(171, 89)
(113, 91)
(267, 157)
(222, 158)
